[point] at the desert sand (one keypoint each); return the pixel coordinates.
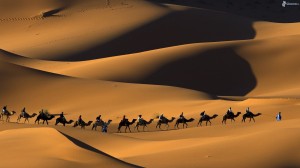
(131, 57)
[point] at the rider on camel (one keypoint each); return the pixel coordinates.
(80, 121)
(140, 119)
(98, 119)
(62, 116)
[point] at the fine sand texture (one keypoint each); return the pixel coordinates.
(142, 57)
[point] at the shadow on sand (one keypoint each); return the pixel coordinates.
(218, 72)
(90, 148)
(176, 28)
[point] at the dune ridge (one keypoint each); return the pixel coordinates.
(140, 57)
(49, 152)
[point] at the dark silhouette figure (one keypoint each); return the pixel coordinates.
(105, 126)
(206, 118)
(26, 116)
(63, 121)
(230, 116)
(184, 122)
(6, 113)
(250, 115)
(164, 120)
(125, 123)
(45, 117)
(82, 124)
(143, 123)
(100, 123)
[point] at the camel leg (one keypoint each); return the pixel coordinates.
(253, 119)
(209, 122)
(186, 125)
(129, 129)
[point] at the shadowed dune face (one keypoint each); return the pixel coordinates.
(268, 10)
(219, 72)
(195, 26)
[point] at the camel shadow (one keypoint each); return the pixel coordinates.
(92, 149)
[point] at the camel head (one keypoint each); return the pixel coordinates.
(71, 121)
(190, 120)
(215, 115)
(239, 112)
(108, 122)
(89, 123)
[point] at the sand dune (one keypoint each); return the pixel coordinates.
(46, 147)
(131, 57)
(117, 35)
(23, 86)
(200, 61)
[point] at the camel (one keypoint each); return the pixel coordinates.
(250, 115)
(184, 122)
(7, 114)
(230, 116)
(44, 117)
(26, 116)
(143, 123)
(82, 124)
(164, 121)
(206, 118)
(63, 121)
(125, 123)
(101, 124)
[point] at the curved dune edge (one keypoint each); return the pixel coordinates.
(36, 89)
(45, 38)
(279, 54)
(214, 146)
(48, 148)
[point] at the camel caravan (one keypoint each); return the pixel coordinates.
(45, 116)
